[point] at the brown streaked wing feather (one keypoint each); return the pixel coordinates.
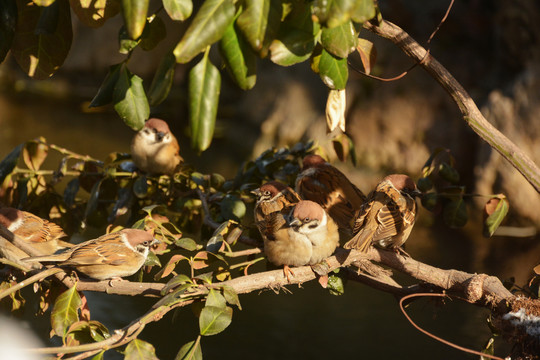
(272, 224)
(390, 222)
(99, 251)
(354, 195)
(366, 223)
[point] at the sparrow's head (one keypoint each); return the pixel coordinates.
(307, 216)
(404, 184)
(139, 240)
(312, 160)
(156, 131)
(269, 190)
(9, 215)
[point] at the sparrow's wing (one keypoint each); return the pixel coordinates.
(365, 224)
(272, 223)
(37, 229)
(390, 222)
(106, 252)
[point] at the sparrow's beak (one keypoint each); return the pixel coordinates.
(295, 223)
(155, 242)
(417, 193)
(256, 192)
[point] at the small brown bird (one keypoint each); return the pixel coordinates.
(387, 217)
(43, 235)
(272, 197)
(327, 186)
(109, 256)
(305, 237)
(154, 148)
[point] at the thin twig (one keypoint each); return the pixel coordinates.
(29, 281)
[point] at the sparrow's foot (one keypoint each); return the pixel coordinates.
(400, 251)
(286, 271)
(112, 280)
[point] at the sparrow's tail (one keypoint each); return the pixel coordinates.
(44, 258)
(361, 241)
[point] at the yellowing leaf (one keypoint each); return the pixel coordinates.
(135, 12)
(495, 211)
(368, 54)
(335, 109)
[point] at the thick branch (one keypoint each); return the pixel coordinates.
(468, 108)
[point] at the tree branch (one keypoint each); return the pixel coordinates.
(468, 108)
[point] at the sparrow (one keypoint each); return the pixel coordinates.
(387, 217)
(324, 184)
(272, 197)
(154, 148)
(305, 236)
(43, 235)
(113, 255)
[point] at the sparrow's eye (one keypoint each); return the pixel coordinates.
(146, 131)
(267, 193)
(146, 243)
(306, 219)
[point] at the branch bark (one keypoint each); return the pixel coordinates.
(471, 113)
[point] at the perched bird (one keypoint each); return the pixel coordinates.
(304, 237)
(387, 217)
(43, 235)
(154, 148)
(324, 184)
(271, 197)
(109, 256)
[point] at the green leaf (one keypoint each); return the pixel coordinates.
(125, 43)
(240, 60)
(94, 13)
(140, 187)
(186, 243)
(215, 299)
(41, 54)
(232, 208)
(152, 260)
(99, 356)
(214, 320)
(8, 23)
(178, 280)
(455, 213)
(104, 95)
(130, 100)
(496, 209)
(231, 296)
(190, 351)
(204, 88)
(135, 12)
(153, 33)
(65, 311)
(140, 350)
(70, 192)
(333, 71)
(10, 161)
(340, 40)
(448, 173)
(335, 285)
(430, 201)
(292, 48)
(206, 28)
(259, 23)
(178, 9)
(163, 80)
(340, 12)
(363, 11)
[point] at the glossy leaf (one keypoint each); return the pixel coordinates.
(134, 13)
(140, 350)
(335, 109)
(340, 40)
(214, 320)
(104, 95)
(92, 204)
(424, 184)
(495, 211)
(70, 192)
(430, 201)
(293, 47)
(140, 187)
(368, 54)
(176, 281)
(321, 9)
(214, 298)
(8, 24)
(186, 243)
(333, 71)
(152, 260)
(153, 33)
(65, 311)
(232, 208)
(207, 27)
(94, 13)
(340, 12)
(448, 173)
(162, 81)
(10, 161)
(455, 213)
(259, 23)
(125, 43)
(130, 100)
(190, 351)
(231, 296)
(204, 89)
(240, 60)
(40, 55)
(363, 11)
(178, 9)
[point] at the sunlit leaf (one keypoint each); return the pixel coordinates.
(125, 43)
(333, 71)
(259, 22)
(152, 260)
(163, 80)
(495, 211)
(43, 3)
(335, 285)
(238, 56)
(363, 10)
(206, 28)
(104, 95)
(140, 350)
(176, 281)
(65, 311)
(171, 264)
(178, 9)
(215, 299)
(94, 13)
(204, 89)
(455, 213)
(340, 40)
(214, 320)
(190, 351)
(231, 296)
(232, 208)
(340, 12)
(368, 54)
(335, 109)
(10, 161)
(135, 12)
(40, 55)
(35, 153)
(130, 100)
(153, 33)
(8, 23)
